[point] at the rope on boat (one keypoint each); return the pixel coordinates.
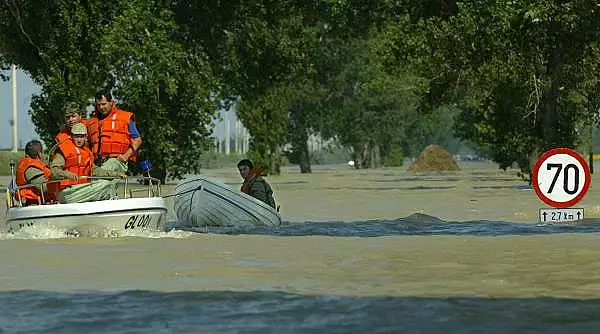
(184, 192)
(193, 191)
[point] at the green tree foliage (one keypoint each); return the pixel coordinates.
(370, 109)
(261, 51)
(383, 78)
(169, 88)
(57, 43)
(266, 119)
(513, 68)
(4, 67)
(71, 49)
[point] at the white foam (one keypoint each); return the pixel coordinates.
(46, 232)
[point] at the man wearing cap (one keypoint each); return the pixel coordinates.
(72, 115)
(72, 162)
(114, 136)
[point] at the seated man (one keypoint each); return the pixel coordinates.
(254, 184)
(31, 170)
(72, 163)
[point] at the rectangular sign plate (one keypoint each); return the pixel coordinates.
(555, 215)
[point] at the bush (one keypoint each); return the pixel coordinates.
(5, 158)
(212, 160)
(330, 155)
(395, 158)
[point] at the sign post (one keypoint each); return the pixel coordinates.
(561, 178)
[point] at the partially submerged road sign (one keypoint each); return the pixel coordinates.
(561, 178)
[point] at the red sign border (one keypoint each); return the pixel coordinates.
(586, 170)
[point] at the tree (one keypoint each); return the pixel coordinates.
(71, 49)
(57, 43)
(170, 89)
(3, 67)
(369, 109)
(509, 66)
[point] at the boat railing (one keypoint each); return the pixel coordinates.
(153, 188)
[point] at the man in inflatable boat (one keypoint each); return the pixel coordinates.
(254, 184)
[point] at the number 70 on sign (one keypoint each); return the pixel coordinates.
(561, 177)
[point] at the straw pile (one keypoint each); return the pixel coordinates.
(434, 159)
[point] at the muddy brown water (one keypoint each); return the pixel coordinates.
(328, 274)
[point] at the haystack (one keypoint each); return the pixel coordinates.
(434, 159)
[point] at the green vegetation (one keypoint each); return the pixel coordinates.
(509, 79)
(5, 158)
(211, 160)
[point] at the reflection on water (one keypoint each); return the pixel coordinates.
(280, 312)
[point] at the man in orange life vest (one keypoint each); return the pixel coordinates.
(72, 115)
(254, 184)
(72, 162)
(114, 136)
(31, 170)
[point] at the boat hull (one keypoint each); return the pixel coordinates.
(120, 216)
(201, 201)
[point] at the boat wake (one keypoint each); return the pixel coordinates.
(415, 225)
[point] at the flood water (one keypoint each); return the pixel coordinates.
(381, 251)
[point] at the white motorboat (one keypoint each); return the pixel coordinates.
(201, 201)
(120, 216)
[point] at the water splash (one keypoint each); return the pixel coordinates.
(50, 232)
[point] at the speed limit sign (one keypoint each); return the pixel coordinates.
(561, 177)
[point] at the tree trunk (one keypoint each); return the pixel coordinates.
(275, 161)
(364, 156)
(354, 157)
(304, 158)
(299, 136)
(162, 176)
(358, 156)
(375, 155)
(159, 172)
(548, 122)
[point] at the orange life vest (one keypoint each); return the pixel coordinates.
(93, 134)
(111, 136)
(78, 160)
(31, 194)
(252, 174)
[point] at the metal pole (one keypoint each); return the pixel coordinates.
(591, 150)
(15, 140)
(246, 140)
(238, 141)
(227, 132)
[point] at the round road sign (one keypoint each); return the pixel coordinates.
(561, 177)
